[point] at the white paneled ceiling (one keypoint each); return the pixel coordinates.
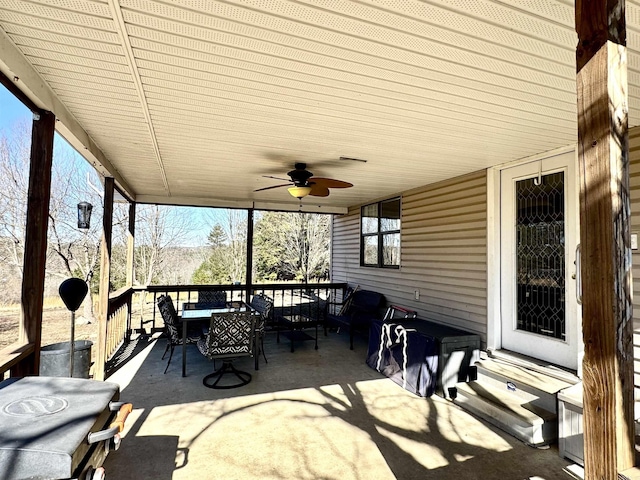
(193, 101)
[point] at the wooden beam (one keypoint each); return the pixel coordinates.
(19, 94)
(35, 241)
(131, 269)
(604, 235)
(598, 22)
(105, 279)
(13, 355)
(131, 243)
(249, 271)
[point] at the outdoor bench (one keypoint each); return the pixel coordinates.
(362, 308)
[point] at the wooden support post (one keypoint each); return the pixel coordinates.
(105, 277)
(249, 272)
(131, 272)
(131, 237)
(35, 241)
(604, 235)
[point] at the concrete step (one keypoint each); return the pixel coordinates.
(524, 420)
(529, 385)
(535, 365)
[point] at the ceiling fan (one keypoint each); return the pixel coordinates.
(304, 183)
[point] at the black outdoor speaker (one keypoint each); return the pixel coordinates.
(72, 291)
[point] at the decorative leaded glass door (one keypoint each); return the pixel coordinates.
(539, 234)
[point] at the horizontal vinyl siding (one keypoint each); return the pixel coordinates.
(634, 185)
(443, 254)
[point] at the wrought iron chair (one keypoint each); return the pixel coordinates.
(264, 306)
(211, 299)
(173, 327)
(231, 335)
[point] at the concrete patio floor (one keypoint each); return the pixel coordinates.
(306, 415)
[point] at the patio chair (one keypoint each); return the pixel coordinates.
(173, 327)
(335, 307)
(231, 335)
(362, 308)
(211, 299)
(264, 306)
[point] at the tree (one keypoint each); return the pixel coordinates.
(235, 230)
(159, 229)
(291, 246)
(268, 249)
(217, 238)
(213, 269)
(77, 250)
(227, 240)
(307, 241)
(14, 184)
(71, 252)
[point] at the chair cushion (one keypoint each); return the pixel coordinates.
(230, 334)
(173, 323)
(170, 318)
(263, 305)
(211, 299)
(363, 303)
(366, 301)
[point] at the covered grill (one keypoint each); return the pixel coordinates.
(58, 428)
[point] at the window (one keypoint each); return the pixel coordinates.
(380, 234)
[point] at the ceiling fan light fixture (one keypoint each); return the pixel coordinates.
(299, 192)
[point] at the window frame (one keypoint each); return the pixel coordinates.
(379, 234)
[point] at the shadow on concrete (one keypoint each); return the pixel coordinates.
(309, 414)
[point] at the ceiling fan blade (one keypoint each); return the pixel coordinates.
(273, 186)
(330, 182)
(277, 178)
(319, 191)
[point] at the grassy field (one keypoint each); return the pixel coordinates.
(56, 324)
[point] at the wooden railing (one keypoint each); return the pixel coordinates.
(133, 310)
(118, 320)
(12, 355)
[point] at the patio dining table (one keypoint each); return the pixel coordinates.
(191, 312)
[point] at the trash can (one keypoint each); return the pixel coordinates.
(54, 359)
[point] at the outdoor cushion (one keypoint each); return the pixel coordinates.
(230, 335)
(211, 299)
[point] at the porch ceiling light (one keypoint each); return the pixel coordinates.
(299, 192)
(84, 215)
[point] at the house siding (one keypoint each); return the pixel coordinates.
(443, 254)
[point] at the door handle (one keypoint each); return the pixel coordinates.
(578, 275)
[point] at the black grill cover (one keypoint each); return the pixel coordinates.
(44, 422)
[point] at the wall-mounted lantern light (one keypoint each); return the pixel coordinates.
(84, 215)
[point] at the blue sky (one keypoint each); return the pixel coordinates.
(11, 109)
